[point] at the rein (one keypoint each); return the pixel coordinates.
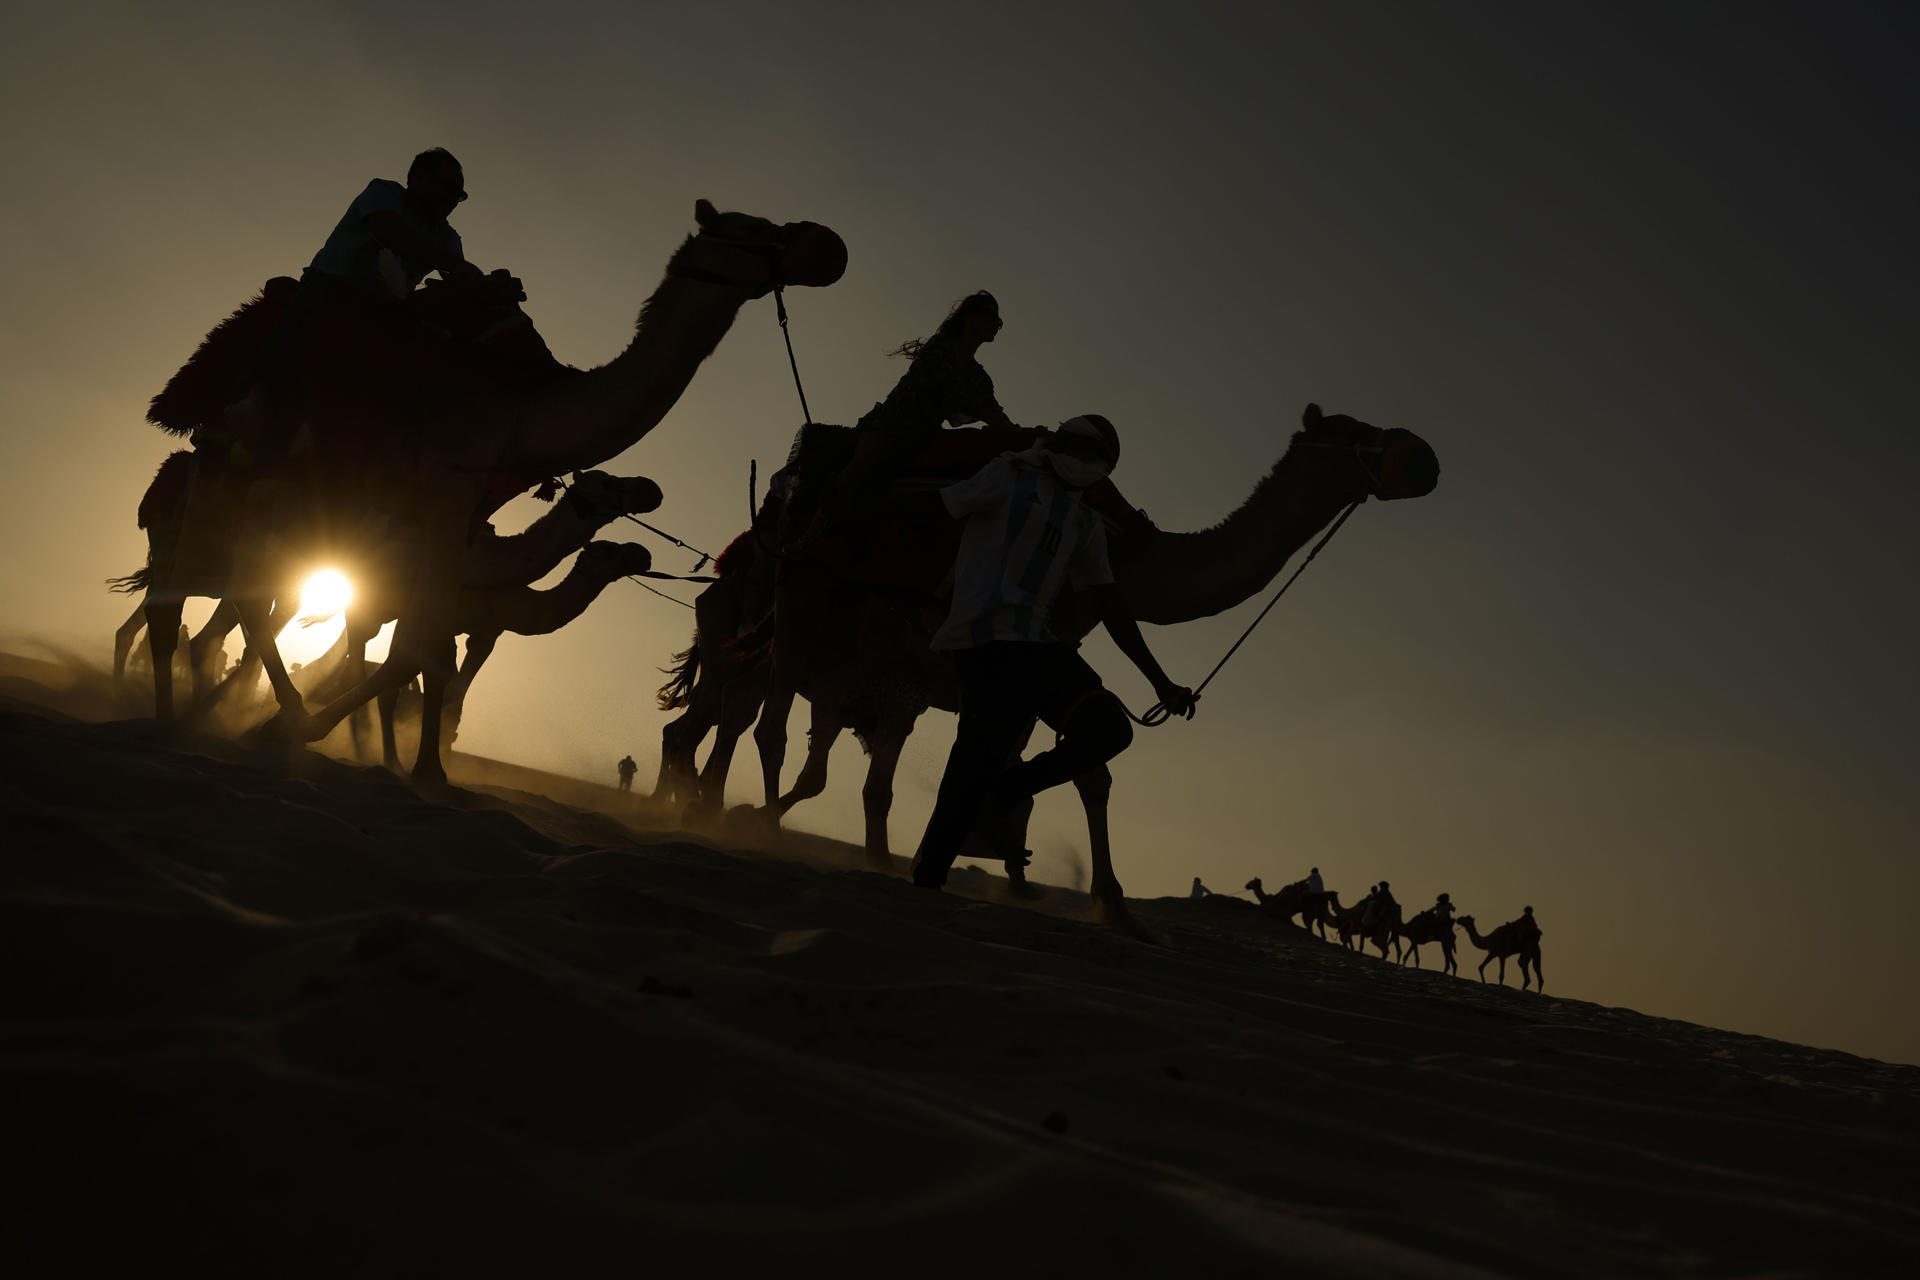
(1157, 714)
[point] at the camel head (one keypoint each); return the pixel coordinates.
(1253, 885)
(1394, 462)
(598, 497)
(803, 253)
(606, 561)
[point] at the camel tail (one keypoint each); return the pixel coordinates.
(754, 648)
(678, 690)
(139, 580)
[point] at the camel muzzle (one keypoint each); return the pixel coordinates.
(1409, 468)
(815, 256)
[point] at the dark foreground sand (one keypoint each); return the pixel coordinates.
(273, 1014)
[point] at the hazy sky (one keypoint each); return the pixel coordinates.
(1644, 275)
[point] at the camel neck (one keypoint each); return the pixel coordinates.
(1177, 577)
(582, 421)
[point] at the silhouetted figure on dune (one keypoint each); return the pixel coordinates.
(1294, 899)
(1435, 924)
(860, 655)
(475, 434)
(627, 768)
(944, 385)
(1518, 938)
(1199, 890)
(1027, 535)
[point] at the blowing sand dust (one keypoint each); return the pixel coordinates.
(272, 1013)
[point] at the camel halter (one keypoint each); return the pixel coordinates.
(1158, 714)
(695, 576)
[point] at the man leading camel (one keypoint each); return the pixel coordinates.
(1028, 535)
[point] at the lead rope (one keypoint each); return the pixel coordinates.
(780, 309)
(753, 464)
(1157, 713)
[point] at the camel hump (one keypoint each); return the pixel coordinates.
(168, 492)
(218, 372)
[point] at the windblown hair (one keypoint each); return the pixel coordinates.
(956, 318)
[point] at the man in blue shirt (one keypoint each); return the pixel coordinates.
(386, 243)
(391, 236)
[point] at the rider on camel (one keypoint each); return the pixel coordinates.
(390, 238)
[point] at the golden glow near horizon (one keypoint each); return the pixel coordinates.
(325, 593)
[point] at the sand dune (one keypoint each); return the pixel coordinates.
(271, 1012)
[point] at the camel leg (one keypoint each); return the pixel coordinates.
(163, 628)
(1484, 962)
(123, 639)
(679, 742)
(256, 624)
(1109, 899)
(876, 797)
(825, 731)
(740, 702)
(208, 642)
(479, 649)
(387, 700)
(1503, 971)
(1413, 953)
(770, 734)
(436, 675)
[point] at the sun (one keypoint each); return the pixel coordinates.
(326, 592)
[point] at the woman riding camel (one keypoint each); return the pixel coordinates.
(943, 384)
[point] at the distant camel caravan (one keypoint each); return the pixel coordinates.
(469, 448)
(861, 657)
(1519, 937)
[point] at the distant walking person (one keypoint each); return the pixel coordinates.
(1028, 536)
(627, 769)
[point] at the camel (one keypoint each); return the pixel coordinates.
(1510, 939)
(862, 660)
(491, 560)
(1294, 900)
(486, 613)
(1425, 927)
(1356, 929)
(451, 474)
(718, 686)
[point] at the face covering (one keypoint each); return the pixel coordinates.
(1079, 473)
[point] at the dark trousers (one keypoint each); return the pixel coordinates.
(1004, 687)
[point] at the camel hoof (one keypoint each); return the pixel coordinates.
(817, 257)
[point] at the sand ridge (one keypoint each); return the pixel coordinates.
(267, 1005)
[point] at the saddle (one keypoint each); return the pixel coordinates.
(892, 555)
